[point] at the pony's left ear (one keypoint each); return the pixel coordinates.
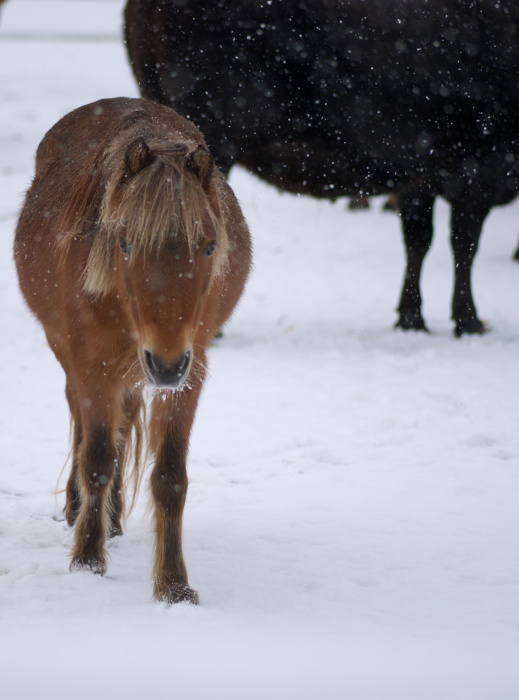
(201, 163)
(138, 156)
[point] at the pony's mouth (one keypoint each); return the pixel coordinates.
(166, 375)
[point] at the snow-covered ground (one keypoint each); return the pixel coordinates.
(352, 521)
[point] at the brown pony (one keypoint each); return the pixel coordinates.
(132, 252)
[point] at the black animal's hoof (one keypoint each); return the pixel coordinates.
(93, 564)
(411, 322)
(176, 593)
(473, 327)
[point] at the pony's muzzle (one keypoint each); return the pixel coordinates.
(167, 375)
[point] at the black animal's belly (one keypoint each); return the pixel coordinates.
(329, 170)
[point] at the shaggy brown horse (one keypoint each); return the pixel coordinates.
(132, 252)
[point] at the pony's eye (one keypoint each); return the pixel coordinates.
(125, 246)
(211, 247)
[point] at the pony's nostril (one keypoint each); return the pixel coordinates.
(182, 367)
(185, 364)
(150, 362)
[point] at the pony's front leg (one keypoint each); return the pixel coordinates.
(97, 463)
(171, 423)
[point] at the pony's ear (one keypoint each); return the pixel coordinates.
(138, 156)
(201, 163)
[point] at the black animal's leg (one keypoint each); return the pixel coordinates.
(416, 213)
(466, 222)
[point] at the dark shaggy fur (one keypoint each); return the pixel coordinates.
(341, 97)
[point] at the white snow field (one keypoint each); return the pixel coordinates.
(352, 520)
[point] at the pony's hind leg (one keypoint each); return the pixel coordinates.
(73, 496)
(97, 464)
(131, 408)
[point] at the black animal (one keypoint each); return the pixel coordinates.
(348, 97)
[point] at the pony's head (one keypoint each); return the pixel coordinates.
(158, 244)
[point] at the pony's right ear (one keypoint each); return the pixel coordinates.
(138, 156)
(201, 163)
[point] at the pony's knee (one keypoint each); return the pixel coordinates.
(98, 460)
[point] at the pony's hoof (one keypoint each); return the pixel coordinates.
(176, 593)
(96, 566)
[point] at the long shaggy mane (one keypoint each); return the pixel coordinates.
(163, 202)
